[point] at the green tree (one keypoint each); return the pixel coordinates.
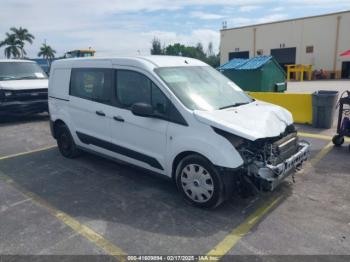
(22, 35)
(12, 46)
(47, 53)
(196, 51)
(156, 47)
(210, 51)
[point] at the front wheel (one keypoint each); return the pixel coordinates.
(199, 182)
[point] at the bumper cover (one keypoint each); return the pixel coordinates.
(23, 107)
(274, 175)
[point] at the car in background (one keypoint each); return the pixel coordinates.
(23, 88)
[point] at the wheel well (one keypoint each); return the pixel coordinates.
(56, 124)
(181, 156)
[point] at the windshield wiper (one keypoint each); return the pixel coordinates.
(234, 105)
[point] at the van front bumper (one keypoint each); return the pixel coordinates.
(273, 175)
(20, 108)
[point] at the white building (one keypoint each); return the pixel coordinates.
(317, 40)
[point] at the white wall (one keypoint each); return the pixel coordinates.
(319, 32)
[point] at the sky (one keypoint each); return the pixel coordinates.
(122, 27)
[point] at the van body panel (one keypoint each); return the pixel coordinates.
(112, 128)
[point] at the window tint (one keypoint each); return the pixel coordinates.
(93, 84)
(159, 100)
(133, 87)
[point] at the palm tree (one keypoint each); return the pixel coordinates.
(22, 35)
(47, 53)
(12, 46)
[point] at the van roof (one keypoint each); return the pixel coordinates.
(16, 61)
(152, 61)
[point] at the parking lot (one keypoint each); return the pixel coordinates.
(50, 205)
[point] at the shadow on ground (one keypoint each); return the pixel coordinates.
(92, 188)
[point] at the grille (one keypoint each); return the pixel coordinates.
(285, 147)
(26, 95)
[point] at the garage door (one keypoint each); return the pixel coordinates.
(242, 54)
(284, 56)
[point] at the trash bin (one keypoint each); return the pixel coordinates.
(257, 74)
(323, 108)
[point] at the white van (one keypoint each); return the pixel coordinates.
(23, 88)
(175, 116)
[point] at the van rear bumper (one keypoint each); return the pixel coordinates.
(20, 108)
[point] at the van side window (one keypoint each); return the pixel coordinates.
(134, 87)
(91, 83)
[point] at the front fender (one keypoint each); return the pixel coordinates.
(217, 149)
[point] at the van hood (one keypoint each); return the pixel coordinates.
(251, 121)
(24, 84)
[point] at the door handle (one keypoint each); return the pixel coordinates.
(100, 113)
(118, 118)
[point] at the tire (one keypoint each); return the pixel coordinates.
(199, 182)
(66, 143)
(338, 140)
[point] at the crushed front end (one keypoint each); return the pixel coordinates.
(268, 161)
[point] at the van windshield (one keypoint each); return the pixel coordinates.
(20, 70)
(202, 87)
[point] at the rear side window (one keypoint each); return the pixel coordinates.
(92, 84)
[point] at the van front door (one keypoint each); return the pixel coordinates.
(139, 140)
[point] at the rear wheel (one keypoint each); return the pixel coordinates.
(66, 143)
(338, 140)
(199, 182)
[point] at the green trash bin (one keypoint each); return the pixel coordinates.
(323, 108)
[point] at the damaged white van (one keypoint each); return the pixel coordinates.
(174, 116)
(23, 88)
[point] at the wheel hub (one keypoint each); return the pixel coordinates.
(197, 183)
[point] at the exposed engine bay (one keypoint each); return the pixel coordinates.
(268, 161)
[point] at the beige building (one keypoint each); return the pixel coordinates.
(316, 40)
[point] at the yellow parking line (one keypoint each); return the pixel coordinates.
(318, 136)
(82, 229)
(74, 224)
(324, 151)
(236, 234)
(218, 251)
(27, 152)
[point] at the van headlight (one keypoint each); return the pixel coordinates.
(7, 93)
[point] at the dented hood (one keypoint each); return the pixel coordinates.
(251, 121)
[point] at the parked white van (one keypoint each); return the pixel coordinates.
(175, 116)
(23, 88)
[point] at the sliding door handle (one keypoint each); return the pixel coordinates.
(100, 113)
(118, 118)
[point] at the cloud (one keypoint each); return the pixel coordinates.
(118, 27)
(248, 8)
(244, 21)
(277, 9)
(271, 18)
(206, 16)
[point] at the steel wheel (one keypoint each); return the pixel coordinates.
(66, 143)
(197, 183)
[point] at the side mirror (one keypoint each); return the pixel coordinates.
(142, 109)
